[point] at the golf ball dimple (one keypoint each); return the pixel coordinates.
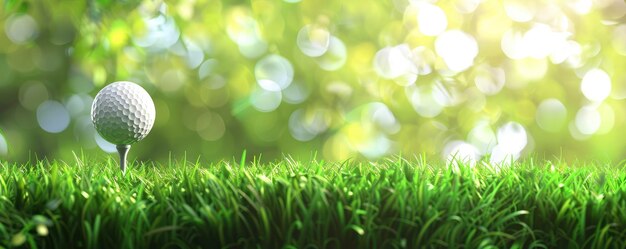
(123, 113)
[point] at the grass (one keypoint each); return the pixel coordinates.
(394, 203)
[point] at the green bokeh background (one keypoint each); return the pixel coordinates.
(206, 92)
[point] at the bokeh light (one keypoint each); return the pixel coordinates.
(596, 85)
(482, 137)
(4, 146)
(463, 80)
(457, 49)
(551, 115)
(21, 28)
(52, 116)
(489, 80)
(266, 101)
(512, 139)
(273, 73)
(32, 95)
(160, 32)
(396, 63)
(335, 57)
(313, 40)
(431, 19)
(104, 144)
(457, 152)
(588, 120)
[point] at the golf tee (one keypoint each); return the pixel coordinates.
(123, 151)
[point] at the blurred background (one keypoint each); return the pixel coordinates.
(479, 79)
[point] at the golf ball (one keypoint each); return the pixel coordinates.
(123, 113)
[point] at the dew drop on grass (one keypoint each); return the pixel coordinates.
(265, 179)
(598, 197)
(359, 230)
(430, 186)
(53, 204)
(42, 230)
(18, 239)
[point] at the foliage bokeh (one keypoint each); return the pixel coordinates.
(340, 79)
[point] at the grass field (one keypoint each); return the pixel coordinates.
(394, 203)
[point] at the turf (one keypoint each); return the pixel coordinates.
(393, 203)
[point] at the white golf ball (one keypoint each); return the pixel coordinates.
(123, 113)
